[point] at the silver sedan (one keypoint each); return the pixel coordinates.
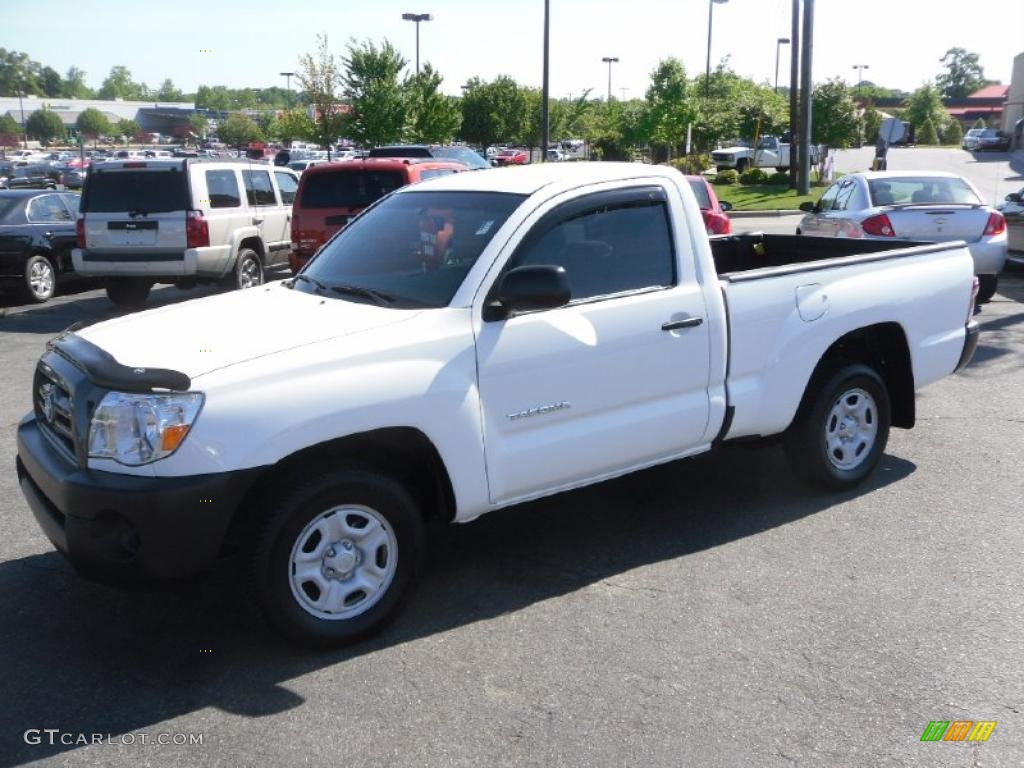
(922, 206)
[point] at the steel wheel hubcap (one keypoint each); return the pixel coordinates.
(851, 429)
(249, 274)
(343, 562)
(40, 278)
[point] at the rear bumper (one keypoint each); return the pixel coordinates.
(971, 336)
(989, 254)
(126, 529)
(136, 263)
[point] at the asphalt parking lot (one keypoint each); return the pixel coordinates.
(710, 612)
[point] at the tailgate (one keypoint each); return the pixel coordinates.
(133, 208)
(939, 223)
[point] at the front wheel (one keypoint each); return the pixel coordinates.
(334, 555)
(841, 429)
(741, 165)
(987, 285)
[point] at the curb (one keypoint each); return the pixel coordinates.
(755, 214)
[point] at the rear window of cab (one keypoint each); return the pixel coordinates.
(348, 188)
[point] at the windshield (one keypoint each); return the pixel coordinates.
(151, 191)
(464, 155)
(908, 190)
(414, 248)
(400, 152)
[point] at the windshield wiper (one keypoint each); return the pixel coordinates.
(308, 279)
(378, 297)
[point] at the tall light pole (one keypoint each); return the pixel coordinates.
(417, 18)
(707, 69)
(794, 83)
(778, 45)
(288, 85)
(610, 60)
(545, 125)
(21, 105)
(860, 71)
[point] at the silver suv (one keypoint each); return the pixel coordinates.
(182, 221)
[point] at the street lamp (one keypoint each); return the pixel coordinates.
(610, 60)
(707, 71)
(778, 44)
(24, 129)
(417, 18)
(860, 72)
(288, 85)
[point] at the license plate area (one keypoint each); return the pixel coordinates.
(132, 232)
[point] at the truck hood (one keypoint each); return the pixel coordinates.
(730, 150)
(203, 335)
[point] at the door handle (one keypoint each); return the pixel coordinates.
(686, 322)
(48, 235)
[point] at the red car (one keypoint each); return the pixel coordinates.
(331, 194)
(512, 157)
(713, 211)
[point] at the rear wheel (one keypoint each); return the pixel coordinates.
(987, 285)
(841, 429)
(334, 555)
(248, 272)
(40, 279)
(128, 292)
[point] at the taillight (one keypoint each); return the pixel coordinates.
(878, 225)
(996, 224)
(197, 231)
(80, 233)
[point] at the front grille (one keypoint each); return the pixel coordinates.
(720, 157)
(54, 407)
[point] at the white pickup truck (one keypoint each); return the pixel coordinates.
(466, 344)
(770, 152)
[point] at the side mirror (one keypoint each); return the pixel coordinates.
(724, 205)
(808, 207)
(528, 289)
(1013, 197)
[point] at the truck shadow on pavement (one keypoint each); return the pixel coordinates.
(88, 659)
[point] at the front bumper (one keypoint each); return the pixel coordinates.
(127, 529)
(973, 331)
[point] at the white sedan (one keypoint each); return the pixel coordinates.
(922, 206)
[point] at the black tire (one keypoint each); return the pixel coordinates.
(807, 440)
(741, 165)
(987, 285)
(798, 231)
(289, 511)
(128, 292)
(248, 271)
(40, 279)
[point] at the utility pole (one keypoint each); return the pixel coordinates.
(610, 60)
(794, 83)
(805, 99)
(545, 125)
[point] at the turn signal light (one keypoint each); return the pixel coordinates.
(996, 224)
(878, 226)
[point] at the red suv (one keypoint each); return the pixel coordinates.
(329, 195)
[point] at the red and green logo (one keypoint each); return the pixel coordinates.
(958, 730)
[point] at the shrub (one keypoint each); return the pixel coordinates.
(728, 176)
(779, 178)
(926, 133)
(754, 176)
(954, 134)
(691, 165)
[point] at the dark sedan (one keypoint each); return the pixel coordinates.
(991, 139)
(37, 233)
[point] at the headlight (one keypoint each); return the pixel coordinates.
(138, 429)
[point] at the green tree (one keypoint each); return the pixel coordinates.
(74, 86)
(214, 97)
(50, 82)
(670, 105)
(128, 129)
(18, 73)
(10, 131)
(980, 123)
(45, 126)
(294, 125)
(168, 91)
(954, 133)
(432, 117)
(198, 124)
(925, 104)
(320, 76)
(834, 121)
(238, 130)
(736, 107)
(119, 85)
(493, 112)
(963, 75)
(926, 133)
(92, 124)
(376, 97)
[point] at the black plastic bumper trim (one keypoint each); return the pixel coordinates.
(973, 333)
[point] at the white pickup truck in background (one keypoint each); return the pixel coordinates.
(770, 152)
(574, 324)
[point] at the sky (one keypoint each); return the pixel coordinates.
(242, 43)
